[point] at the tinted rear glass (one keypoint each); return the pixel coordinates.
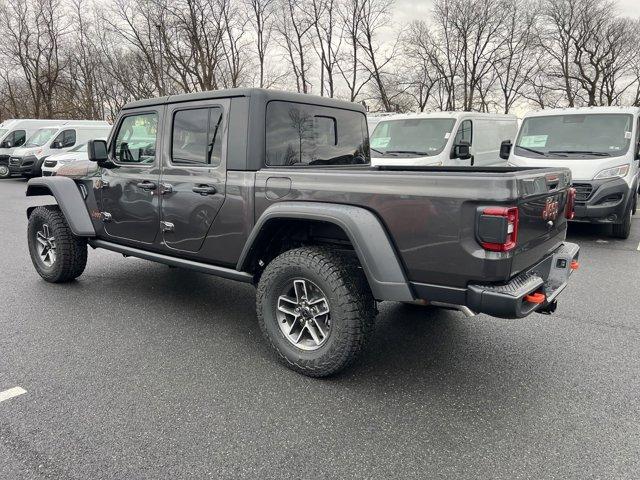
(299, 134)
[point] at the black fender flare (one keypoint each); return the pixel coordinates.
(370, 240)
(69, 199)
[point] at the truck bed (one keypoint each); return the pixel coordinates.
(430, 213)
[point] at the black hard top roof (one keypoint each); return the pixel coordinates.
(263, 94)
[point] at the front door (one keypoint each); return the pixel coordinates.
(129, 187)
(194, 172)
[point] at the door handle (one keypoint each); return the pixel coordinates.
(146, 185)
(204, 189)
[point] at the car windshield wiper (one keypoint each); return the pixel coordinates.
(582, 152)
(376, 150)
(539, 152)
(413, 152)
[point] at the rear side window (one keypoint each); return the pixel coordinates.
(135, 142)
(197, 137)
(299, 134)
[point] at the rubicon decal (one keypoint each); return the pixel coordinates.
(551, 209)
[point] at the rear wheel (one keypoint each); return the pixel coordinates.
(315, 309)
(57, 255)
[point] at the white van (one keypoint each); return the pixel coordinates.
(13, 134)
(601, 146)
(27, 160)
(442, 138)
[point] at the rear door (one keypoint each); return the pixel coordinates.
(129, 200)
(194, 172)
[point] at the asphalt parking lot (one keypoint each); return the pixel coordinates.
(140, 371)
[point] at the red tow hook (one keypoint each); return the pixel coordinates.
(575, 265)
(535, 297)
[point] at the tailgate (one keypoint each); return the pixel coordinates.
(542, 216)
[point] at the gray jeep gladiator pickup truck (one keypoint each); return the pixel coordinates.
(275, 189)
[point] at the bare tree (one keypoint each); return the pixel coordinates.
(421, 73)
(261, 18)
(354, 75)
(33, 36)
(518, 63)
(327, 42)
(294, 27)
(375, 14)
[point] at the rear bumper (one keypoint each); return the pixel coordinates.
(603, 201)
(549, 277)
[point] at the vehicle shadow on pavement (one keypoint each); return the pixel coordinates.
(423, 349)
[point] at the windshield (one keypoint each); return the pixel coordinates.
(40, 137)
(575, 136)
(3, 131)
(413, 136)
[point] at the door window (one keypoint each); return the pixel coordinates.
(197, 137)
(66, 138)
(17, 138)
(465, 133)
(135, 142)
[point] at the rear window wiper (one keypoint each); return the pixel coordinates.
(539, 152)
(582, 152)
(412, 152)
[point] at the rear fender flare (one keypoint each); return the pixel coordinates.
(69, 199)
(377, 255)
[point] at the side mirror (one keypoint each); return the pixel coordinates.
(56, 145)
(97, 151)
(6, 144)
(462, 151)
(505, 149)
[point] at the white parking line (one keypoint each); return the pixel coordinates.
(12, 392)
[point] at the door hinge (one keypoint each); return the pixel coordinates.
(106, 216)
(167, 226)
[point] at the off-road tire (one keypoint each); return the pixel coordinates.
(623, 230)
(351, 303)
(71, 251)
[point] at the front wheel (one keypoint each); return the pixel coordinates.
(57, 255)
(4, 171)
(315, 309)
(623, 230)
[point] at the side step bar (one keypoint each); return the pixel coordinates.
(174, 261)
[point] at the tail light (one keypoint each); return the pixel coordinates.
(498, 228)
(571, 202)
